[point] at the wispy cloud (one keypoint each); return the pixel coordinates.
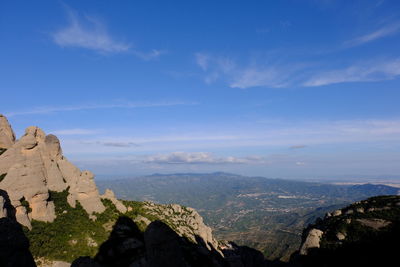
(200, 158)
(382, 32)
(297, 147)
(128, 105)
(76, 131)
(270, 138)
(362, 72)
(153, 54)
(91, 33)
(118, 144)
(272, 75)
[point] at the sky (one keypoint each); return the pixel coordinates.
(290, 89)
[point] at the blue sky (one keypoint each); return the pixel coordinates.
(296, 89)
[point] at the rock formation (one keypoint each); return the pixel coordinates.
(158, 246)
(312, 241)
(188, 223)
(34, 166)
(109, 194)
(7, 136)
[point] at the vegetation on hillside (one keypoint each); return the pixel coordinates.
(364, 234)
(73, 233)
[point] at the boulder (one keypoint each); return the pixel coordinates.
(109, 194)
(312, 241)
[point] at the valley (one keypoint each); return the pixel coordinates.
(267, 214)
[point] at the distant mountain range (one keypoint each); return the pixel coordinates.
(268, 214)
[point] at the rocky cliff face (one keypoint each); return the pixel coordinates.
(32, 167)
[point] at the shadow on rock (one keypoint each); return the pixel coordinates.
(159, 246)
(7, 210)
(14, 245)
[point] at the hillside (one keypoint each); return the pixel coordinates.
(364, 233)
(268, 214)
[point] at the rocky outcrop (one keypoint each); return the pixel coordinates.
(243, 256)
(109, 194)
(158, 246)
(363, 234)
(187, 222)
(34, 166)
(162, 246)
(7, 136)
(312, 241)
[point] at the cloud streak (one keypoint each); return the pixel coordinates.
(382, 32)
(226, 69)
(200, 158)
(363, 72)
(49, 110)
(76, 131)
(293, 75)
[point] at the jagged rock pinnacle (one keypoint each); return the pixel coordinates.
(34, 165)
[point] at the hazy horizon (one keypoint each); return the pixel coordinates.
(282, 89)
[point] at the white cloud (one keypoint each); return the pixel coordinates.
(387, 30)
(253, 77)
(199, 158)
(362, 72)
(153, 54)
(273, 75)
(48, 110)
(202, 60)
(89, 33)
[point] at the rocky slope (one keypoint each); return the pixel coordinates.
(363, 234)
